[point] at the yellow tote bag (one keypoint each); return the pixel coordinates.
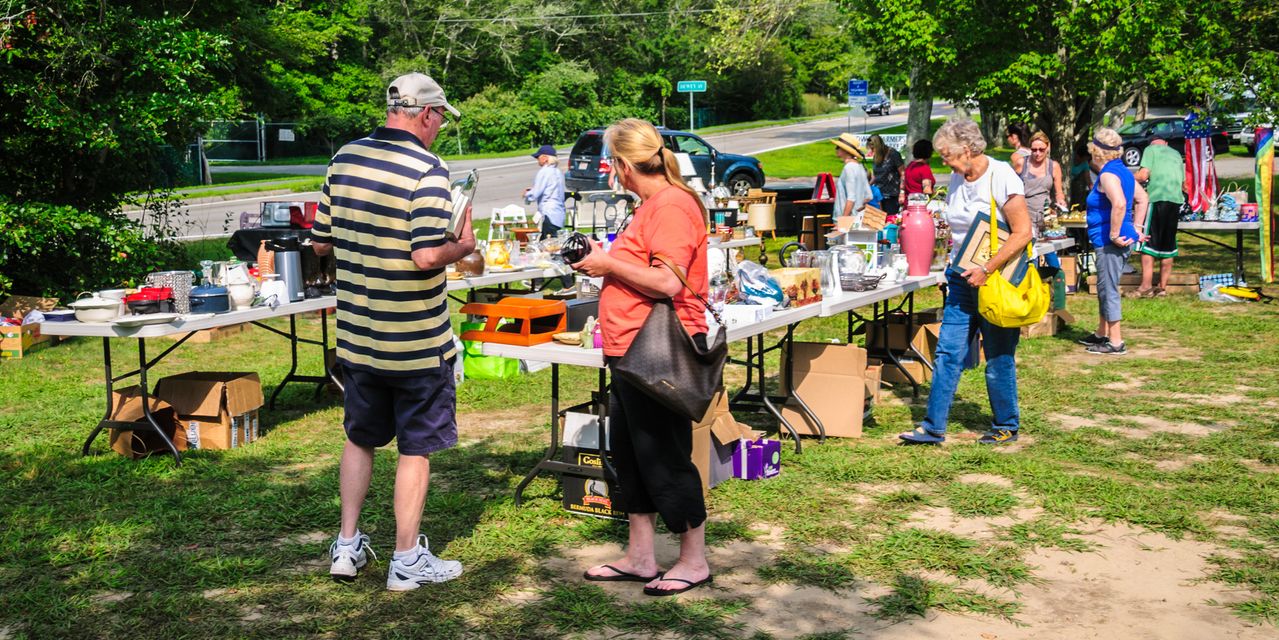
(1003, 304)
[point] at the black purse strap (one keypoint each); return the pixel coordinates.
(670, 265)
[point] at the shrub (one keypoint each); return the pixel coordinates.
(816, 105)
(53, 250)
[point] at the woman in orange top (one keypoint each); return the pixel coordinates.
(652, 445)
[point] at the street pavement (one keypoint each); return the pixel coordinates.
(502, 180)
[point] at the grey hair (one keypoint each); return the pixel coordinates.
(959, 133)
(408, 112)
(1108, 137)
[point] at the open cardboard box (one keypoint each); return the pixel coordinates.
(218, 410)
(143, 441)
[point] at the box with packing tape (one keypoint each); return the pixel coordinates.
(217, 410)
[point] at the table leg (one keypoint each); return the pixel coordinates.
(552, 450)
(606, 465)
(1239, 277)
(768, 402)
(143, 366)
(891, 358)
(106, 417)
(293, 363)
(741, 394)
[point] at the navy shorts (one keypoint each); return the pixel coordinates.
(418, 411)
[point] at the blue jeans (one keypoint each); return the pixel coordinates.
(959, 326)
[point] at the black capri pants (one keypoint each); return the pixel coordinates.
(652, 452)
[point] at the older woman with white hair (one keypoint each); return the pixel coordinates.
(1115, 199)
(978, 179)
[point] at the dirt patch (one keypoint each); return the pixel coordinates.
(1147, 425)
(1158, 345)
(111, 597)
(1213, 400)
(475, 426)
(1130, 382)
(1137, 585)
(987, 478)
(943, 519)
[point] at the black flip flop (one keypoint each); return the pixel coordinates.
(654, 591)
(619, 576)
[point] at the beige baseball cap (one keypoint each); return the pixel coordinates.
(417, 90)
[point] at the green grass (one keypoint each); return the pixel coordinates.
(237, 177)
(298, 185)
(232, 544)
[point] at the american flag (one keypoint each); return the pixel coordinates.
(1201, 173)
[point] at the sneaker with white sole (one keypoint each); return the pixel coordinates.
(420, 568)
(348, 559)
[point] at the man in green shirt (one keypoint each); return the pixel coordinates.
(1164, 173)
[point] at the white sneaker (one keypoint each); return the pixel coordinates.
(406, 575)
(348, 559)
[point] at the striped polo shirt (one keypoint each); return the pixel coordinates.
(384, 197)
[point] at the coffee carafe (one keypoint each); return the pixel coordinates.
(288, 263)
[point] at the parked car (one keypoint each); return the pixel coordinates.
(588, 165)
(878, 104)
(1138, 135)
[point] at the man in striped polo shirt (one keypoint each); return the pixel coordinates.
(383, 212)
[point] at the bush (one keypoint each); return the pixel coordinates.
(52, 250)
(816, 105)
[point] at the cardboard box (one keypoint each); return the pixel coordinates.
(1070, 269)
(587, 495)
(144, 441)
(206, 336)
(584, 494)
(740, 315)
(714, 439)
(217, 410)
(1047, 326)
(803, 285)
(874, 378)
(18, 306)
(898, 340)
(830, 378)
(890, 373)
(19, 342)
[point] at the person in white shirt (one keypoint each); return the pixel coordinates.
(852, 191)
(978, 181)
(548, 190)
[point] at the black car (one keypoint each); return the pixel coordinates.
(1138, 135)
(588, 166)
(878, 104)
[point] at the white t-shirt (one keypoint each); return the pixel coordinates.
(967, 199)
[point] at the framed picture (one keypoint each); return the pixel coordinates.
(975, 251)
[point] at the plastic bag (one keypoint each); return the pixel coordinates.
(1214, 294)
(756, 286)
(482, 367)
(459, 363)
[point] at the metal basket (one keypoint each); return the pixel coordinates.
(856, 282)
(181, 283)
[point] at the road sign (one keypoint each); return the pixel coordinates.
(857, 90)
(690, 87)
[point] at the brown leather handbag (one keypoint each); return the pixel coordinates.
(670, 366)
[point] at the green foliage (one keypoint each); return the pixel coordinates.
(91, 93)
(55, 250)
(498, 120)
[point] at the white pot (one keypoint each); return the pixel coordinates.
(241, 295)
(96, 309)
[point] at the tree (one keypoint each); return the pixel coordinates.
(98, 99)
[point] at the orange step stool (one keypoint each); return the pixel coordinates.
(533, 321)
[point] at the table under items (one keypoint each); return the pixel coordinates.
(187, 326)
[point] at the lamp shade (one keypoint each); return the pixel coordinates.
(761, 217)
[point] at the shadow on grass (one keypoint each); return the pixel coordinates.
(235, 546)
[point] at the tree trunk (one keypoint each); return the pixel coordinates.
(992, 126)
(919, 119)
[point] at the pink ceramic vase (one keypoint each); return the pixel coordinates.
(918, 238)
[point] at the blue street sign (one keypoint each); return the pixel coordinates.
(858, 88)
(690, 86)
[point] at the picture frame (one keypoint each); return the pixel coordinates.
(975, 251)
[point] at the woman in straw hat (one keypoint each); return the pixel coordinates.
(852, 191)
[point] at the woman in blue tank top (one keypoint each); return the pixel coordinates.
(1114, 198)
